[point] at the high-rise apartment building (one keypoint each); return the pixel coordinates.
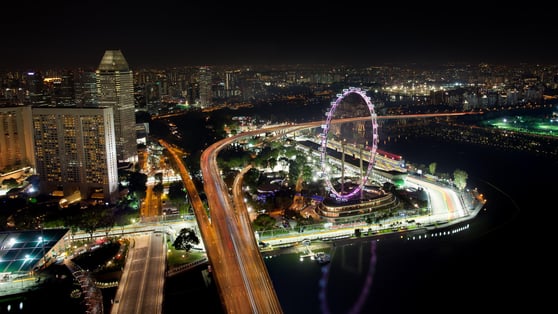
(75, 151)
(205, 84)
(115, 89)
(16, 141)
(193, 93)
(230, 83)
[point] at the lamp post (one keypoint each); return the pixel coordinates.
(42, 239)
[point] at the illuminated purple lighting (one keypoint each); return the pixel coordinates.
(364, 292)
(373, 148)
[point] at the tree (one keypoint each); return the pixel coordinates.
(10, 183)
(307, 172)
(186, 237)
(432, 168)
(137, 181)
(251, 178)
(159, 177)
(158, 190)
(107, 220)
(460, 178)
(264, 222)
(4, 222)
(90, 221)
(294, 171)
(177, 193)
(283, 199)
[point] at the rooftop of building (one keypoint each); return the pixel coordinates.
(113, 60)
(21, 250)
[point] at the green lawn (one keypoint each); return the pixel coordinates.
(180, 257)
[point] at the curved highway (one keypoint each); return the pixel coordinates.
(240, 272)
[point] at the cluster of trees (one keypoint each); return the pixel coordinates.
(459, 176)
(10, 183)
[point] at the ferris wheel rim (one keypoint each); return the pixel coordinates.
(373, 147)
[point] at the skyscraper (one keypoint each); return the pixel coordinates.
(75, 151)
(206, 97)
(35, 86)
(86, 88)
(115, 89)
(16, 142)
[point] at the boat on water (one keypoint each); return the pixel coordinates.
(322, 258)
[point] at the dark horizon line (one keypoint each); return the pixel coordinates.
(144, 65)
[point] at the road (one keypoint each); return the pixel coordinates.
(149, 206)
(219, 244)
(141, 288)
(240, 269)
(444, 202)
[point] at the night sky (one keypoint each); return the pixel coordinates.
(53, 34)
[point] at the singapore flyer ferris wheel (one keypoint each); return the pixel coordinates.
(324, 143)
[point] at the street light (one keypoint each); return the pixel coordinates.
(41, 240)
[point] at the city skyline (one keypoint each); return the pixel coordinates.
(48, 35)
